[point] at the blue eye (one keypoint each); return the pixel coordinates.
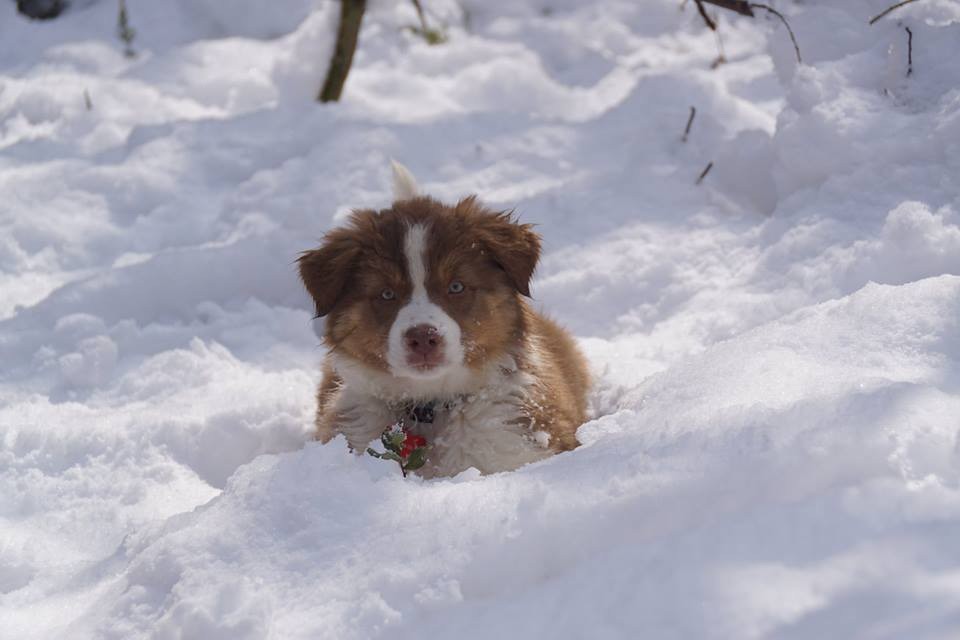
(456, 287)
(388, 294)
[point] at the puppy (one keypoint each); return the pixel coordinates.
(427, 326)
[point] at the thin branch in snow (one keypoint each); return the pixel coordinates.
(705, 171)
(419, 8)
(432, 36)
(889, 9)
(909, 51)
(703, 14)
(87, 101)
(124, 30)
(744, 9)
(686, 130)
(793, 38)
(711, 23)
(740, 6)
(721, 55)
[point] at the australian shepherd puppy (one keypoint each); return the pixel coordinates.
(427, 326)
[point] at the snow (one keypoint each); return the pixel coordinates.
(776, 443)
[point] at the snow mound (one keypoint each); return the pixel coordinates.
(827, 439)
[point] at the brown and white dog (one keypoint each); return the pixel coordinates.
(427, 324)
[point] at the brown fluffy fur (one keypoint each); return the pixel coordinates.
(493, 256)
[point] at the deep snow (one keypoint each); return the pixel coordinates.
(777, 445)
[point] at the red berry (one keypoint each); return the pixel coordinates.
(416, 441)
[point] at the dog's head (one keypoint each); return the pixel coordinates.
(422, 290)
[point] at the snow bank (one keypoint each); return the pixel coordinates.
(789, 479)
(777, 351)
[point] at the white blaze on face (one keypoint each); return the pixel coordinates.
(420, 310)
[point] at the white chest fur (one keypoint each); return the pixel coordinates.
(478, 422)
(488, 434)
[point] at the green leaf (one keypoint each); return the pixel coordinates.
(396, 439)
(390, 456)
(417, 459)
(375, 454)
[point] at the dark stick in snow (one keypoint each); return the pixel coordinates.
(431, 35)
(793, 38)
(705, 171)
(124, 30)
(740, 6)
(351, 14)
(423, 18)
(704, 15)
(909, 51)
(889, 9)
(721, 56)
(686, 130)
(720, 59)
(746, 9)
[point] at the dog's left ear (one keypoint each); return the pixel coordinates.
(515, 247)
(325, 271)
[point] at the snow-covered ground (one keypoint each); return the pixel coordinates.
(776, 449)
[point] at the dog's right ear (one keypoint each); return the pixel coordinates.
(325, 270)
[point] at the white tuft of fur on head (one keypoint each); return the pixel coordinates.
(404, 184)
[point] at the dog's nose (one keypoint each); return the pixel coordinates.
(423, 340)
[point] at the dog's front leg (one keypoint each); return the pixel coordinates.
(361, 419)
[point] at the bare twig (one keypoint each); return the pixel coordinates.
(703, 14)
(87, 101)
(889, 9)
(712, 25)
(686, 130)
(124, 30)
(428, 33)
(745, 9)
(351, 15)
(423, 18)
(796, 47)
(721, 54)
(705, 171)
(909, 51)
(740, 6)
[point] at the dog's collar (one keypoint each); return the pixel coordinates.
(421, 413)
(425, 412)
